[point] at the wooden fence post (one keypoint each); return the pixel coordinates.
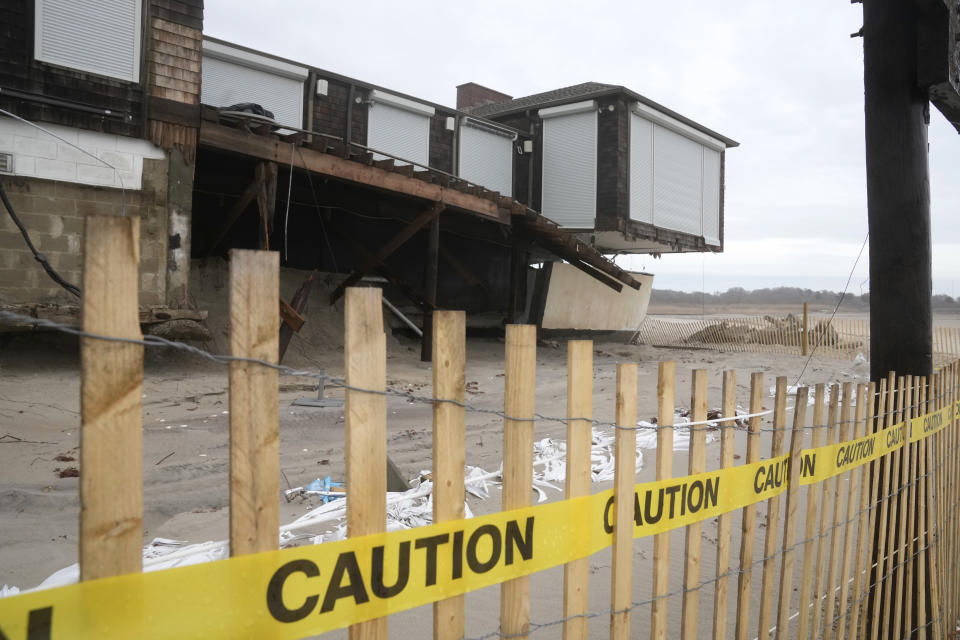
(773, 513)
(911, 480)
(661, 541)
(520, 385)
(749, 519)
(111, 433)
(892, 489)
(807, 579)
(576, 574)
(254, 417)
(449, 447)
(861, 571)
(720, 594)
(365, 353)
(840, 524)
(693, 541)
(853, 501)
(883, 495)
(790, 521)
(827, 516)
(625, 460)
(923, 621)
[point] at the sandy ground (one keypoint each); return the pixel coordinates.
(186, 422)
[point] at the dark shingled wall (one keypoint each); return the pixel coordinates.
(19, 71)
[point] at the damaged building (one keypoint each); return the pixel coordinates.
(503, 207)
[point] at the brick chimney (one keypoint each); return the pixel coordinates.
(471, 95)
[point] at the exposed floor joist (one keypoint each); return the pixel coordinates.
(269, 148)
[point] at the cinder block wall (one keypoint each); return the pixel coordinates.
(53, 212)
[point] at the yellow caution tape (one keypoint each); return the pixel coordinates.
(312, 589)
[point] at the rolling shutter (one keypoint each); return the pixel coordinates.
(677, 167)
(399, 127)
(711, 197)
(674, 175)
(570, 164)
(641, 169)
(96, 36)
(486, 157)
(231, 76)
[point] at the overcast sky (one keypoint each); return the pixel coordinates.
(785, 80)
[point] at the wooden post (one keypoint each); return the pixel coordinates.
(576, 574)
(720, 594)
(625, 472)
(790, 522)
(661, 541)
(853, 501)
(449, 448)
(749, 519)
(773, 514)
(365, 353)
(898, 191)
(430, 288)
(111, 440)
(693, 542)
(810, 547)
(266, 178)
(836, 540)
(827, 517)
(520, 385)
(861, 571)
(254, 415)
(805, 343)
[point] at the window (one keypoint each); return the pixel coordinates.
(96, 36)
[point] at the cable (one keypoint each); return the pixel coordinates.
(286, 216)
(316, 203)
(835, 309)
(41, 258)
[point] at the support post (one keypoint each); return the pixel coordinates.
(430, 289)
(254, 417)
(365, 352)
(449, 448)
(898, 191)
(519, 381)
(111, 440)
(266, 179)
(625, 472)
(576, 574)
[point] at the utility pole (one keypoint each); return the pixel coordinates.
(911, 55)
(897, 113)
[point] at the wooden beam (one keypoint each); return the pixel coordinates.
(561, 242)
(408, 290)
(386, 250)
(235, 211)
(430, 288)
(266, 179)
(290, 314)
(462, 270)
(266, 148)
